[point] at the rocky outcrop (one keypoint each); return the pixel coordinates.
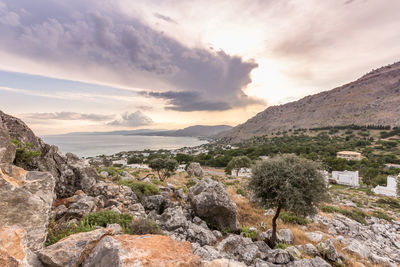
(194, 169)
(145, 250)
(7, 149)
(70, 172)
(14, 250)
(211, 202)
(25, 200)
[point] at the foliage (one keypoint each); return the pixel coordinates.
(289, 183)
(104, 217)
(164, 167)
(238, 162)
(391, 202)
(354, 214)
(330, 209)
(141, 188)
(281, 246)
(58, 232)
(398, 185)
(135, 160)
(143, 227)
(381, 215)
(190, 183)
(24, 154)
(241, 191)
(248, 233)
(289, 217)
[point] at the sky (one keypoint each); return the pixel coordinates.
(103, 65)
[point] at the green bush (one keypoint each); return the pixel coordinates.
(281, 246)
(289, 217)
(391, 202)
(381, 215)
(330, 209)
(248, 233)
(24, 153)
(58, 232)
(353, 214)
(143, 227)
(141, 189)
(104, 217)
(241, 191)
(190, 183)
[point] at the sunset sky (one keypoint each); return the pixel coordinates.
(102, 65)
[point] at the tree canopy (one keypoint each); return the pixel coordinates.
(164, 167)
(238, 162)
(288, 182)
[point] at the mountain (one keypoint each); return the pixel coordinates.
(372, 99)
(194, 131)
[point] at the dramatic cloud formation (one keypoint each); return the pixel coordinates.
(90, 35)
(132, 120)
(63, 115)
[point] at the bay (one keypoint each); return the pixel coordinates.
(94, 145)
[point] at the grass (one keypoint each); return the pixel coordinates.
(104, 217)
(391, 202)
(56, 232)
(141, 189)
(248, 233)
(381, 215)
(289, 217)
(354, 214)
(281, 246)
(241, 191)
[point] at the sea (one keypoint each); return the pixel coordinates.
(94, 145)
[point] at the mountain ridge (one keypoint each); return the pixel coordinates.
(374, 98)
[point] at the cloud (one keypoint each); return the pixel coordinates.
(164, 18)
(132, 120)
(64, 115)
(96, 38)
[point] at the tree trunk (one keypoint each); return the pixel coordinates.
(237, 172)
(273, 237)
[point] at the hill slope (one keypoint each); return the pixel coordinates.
(372, 99)
(194, 131)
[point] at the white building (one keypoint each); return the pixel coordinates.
(325, 174)
(389, 190)
(264, 157)
(181, 168)
(138, 166)
(348, 178)
(243, 172)
(123, 162)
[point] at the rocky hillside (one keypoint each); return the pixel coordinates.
(372, 99)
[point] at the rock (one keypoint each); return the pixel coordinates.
(286, 236)
(223, 263)
(72, 250)
(238, 248)
(279, 256)
(14, 250)
(144, 250)
(207, 253)
(7, 149)
(294, 252)
(137, 211)
(126, 176)
(173, 218)
(84, 205)
(316, 262)
(104, 174)
(308, 249)
(357, 248)
(211, 202)
(199, 234)
(26, 198)
(263, 248)
(195, 170)
(217, 234)
(314, 236)
(327, 250)
(155, 202)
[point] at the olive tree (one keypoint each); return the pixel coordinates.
(288, 182)
(239, 162)
(163, 167)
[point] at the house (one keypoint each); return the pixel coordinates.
(264, 157)
(349, 155)
(391, 165)
(122, 162)
(138, 166)
(243, 172)
(348, 178)
(181, 168)
(389, 190)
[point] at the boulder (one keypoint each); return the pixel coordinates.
(327, 250)
(173, 218)
(238, 248)
(207, 253)
(316, 262)
(26, 198)
(223, 263)
(14, 250)
(195, 170)
(210, 201)
(315, 236)
(279, 256)
(144, 250)
(199, 234)
(286, 236)
(72, 250)
(7, 149)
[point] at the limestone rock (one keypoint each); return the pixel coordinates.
(327, 250)
(238, 248)
(194, 169)
(199, 234)
(314, 236)
(279, 256)
(7, 149)
(26, 198)
(316, 262)
(286, 236)
(223, 263)
(14, 250)
(144, 250)
(207, 253)
(72, 250)
(211, 202)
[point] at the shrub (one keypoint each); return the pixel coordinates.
(163, 167)
(353, 214)
(140, 188)
(143, 227)
(104, 217)
(190, 183)
(281, 246)
(391, 202)
(241, 191)
(24, 153)
(248, 233)
(289, 217)
(60, 231)
(381, 215)
(330, 209)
